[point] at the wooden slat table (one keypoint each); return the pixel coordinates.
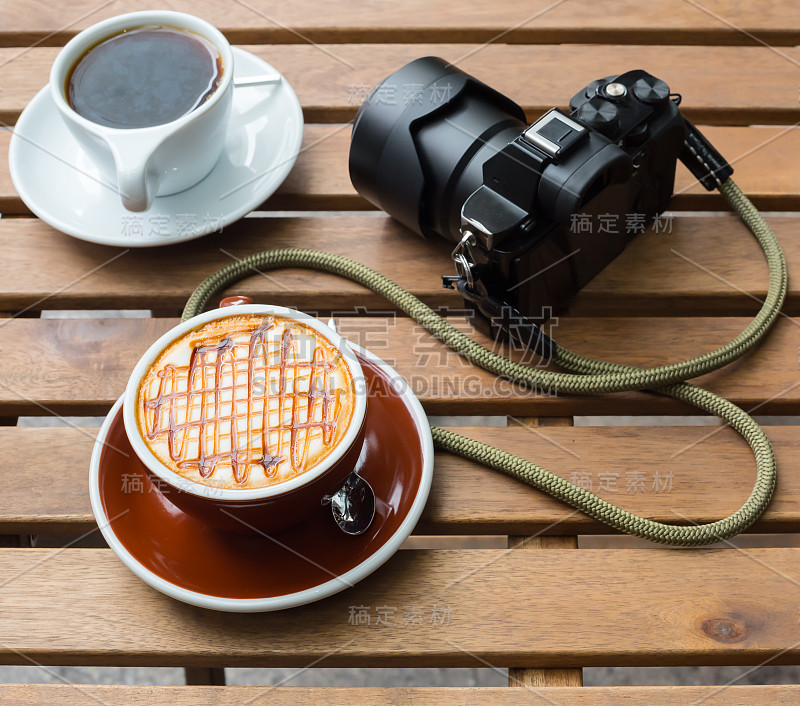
(543, 608)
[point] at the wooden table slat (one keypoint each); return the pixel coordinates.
(80, 366)
(659, 22)
(737, 86)
(570, 608)
(81, 694)
(763, 157)
(706, 266)
(658, 472)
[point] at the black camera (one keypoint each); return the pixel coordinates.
(535, 211)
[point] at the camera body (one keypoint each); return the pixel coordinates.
(528, 206)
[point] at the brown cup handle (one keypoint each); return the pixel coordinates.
(235, 300)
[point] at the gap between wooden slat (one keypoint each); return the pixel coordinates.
(204, 676)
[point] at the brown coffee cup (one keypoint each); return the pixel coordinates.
(221, 498)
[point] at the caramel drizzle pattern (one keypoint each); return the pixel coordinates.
(242, 459)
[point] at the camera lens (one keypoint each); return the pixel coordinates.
(420, 140)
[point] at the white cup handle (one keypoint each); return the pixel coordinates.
(137, 184)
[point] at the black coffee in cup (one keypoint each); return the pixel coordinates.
(143, 77)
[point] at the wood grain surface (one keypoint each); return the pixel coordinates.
(80, 366)
(706, 266)
(80, 695)
(544, 608)
(737, 86)
(545, 612)
(659, 22)
(533, 678)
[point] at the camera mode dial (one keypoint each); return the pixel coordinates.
(599, 114)
(651, 90)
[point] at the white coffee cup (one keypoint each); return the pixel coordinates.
(162, 159)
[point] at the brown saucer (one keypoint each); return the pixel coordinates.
(154, 538)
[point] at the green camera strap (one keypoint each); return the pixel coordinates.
(586, 376)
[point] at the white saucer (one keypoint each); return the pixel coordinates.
(56, 180)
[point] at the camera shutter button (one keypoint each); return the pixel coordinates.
(599, 114)
(614, 90)
(651, 90)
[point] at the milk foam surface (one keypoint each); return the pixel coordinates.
(246, 401)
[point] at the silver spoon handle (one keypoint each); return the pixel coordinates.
(258, 80)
